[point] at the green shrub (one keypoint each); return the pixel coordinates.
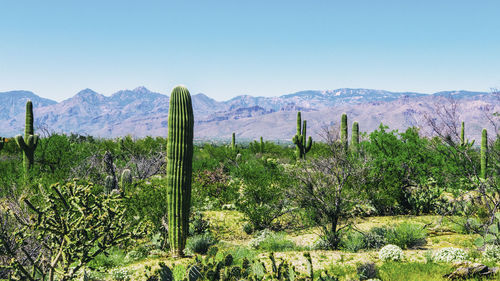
(406, 235)
(248, 228)
(367, 270)
(391, 253)
(273, 242)
(199, 244)
(449, 254)
(352, 241)
(198, 224)
(375, 238)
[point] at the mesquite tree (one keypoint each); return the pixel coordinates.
(179, 167)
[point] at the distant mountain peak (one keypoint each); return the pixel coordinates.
(86, 92)
(141, 90)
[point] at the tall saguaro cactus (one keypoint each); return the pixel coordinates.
(300, 138)
(462, 134)
(464, 142)
(355, 135)
(30, 141)
(484, 153)
(343, 130)
(179, 167)
(233, 141)
(261, 145)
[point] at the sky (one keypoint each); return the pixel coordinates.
(260, 48)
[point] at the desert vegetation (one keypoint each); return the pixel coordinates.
(385, 205)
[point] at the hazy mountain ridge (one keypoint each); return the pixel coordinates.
(140, 112)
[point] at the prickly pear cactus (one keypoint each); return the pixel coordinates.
(179, 167)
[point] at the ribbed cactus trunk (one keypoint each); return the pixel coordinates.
(179, 167)
(343, 131)
(484, 154)
(355, 136)
(302, 147)
(126, 180)
(30, 141)
(233, 141)
(462, 134)
(2, 142)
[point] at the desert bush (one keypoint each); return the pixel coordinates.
(199, 244)
(406, 235)
(352, 241)
(449, 254)
(262, 193)
(492, 253)
(328, 189)
(391, 253)
(271, 241)
(375, 238)
(366, 271)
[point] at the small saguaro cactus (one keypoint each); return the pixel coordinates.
(261, 146)
(179, 167)
(355, 135)
(300, 139)
(233, 141)
(126, 179)
(30, 141)
(484, 153)
(110, 182)
(2, 142)
(462, 134)
(464, 142)
(343, 130)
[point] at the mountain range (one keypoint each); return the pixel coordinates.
(141, 112)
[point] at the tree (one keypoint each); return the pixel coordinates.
(329, 188)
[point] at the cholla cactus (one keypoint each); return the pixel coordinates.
(391, 253)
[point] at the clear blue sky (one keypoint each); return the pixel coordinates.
(268, 48)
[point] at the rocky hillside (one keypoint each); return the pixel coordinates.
(140, 112)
